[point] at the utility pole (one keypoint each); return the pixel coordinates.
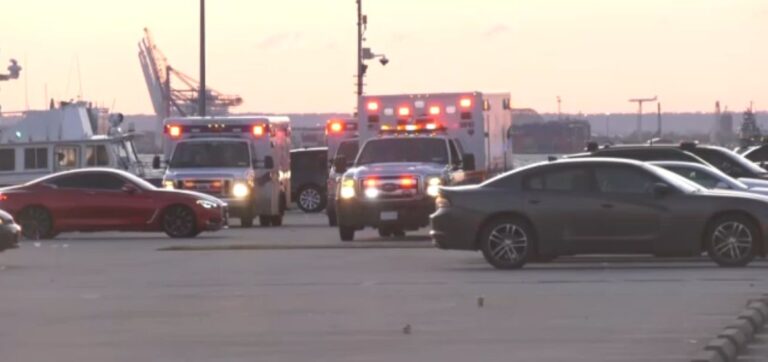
(559, 113)
(640, 102)
(658, 119)
(202, 93)
(360, 71)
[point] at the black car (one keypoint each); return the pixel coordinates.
(586, 206)
(10, 232)
(309, 175)
(725, 160)
(757, 154)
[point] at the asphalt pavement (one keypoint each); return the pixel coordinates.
(291, 294)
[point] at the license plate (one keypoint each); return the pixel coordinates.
(388, 215)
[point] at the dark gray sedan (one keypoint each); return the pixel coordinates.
(589, 206)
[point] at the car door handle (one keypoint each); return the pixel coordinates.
(607, 206)
(534, 202)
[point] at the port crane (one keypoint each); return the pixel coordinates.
(173, 92)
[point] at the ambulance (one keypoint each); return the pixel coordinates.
(412, 144)
(242, 160)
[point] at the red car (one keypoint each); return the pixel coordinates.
(97, 199)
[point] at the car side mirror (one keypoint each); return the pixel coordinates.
(469, 162)
(661, 189)
(269, 162)
(722, 186)
(340, 164)
(156, 162)
(130, 189)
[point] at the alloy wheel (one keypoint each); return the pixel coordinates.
(732, 241)
(179, 222)
(508, 244)
(310, 200)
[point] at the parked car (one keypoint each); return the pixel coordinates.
(723, 159)
(712, 178)
(99, 199)
(309, 174)
(583, 206)
(757, 154)
(10, 232)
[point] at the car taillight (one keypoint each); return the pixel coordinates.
(407, 182)
(174, 131)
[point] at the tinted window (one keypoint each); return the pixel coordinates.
(211, 154)
(389, 150)
(96, 156)
(308, 160)
(349, 150)
(624, 180)
(94, 181)
(758, 154)
(570, 179)
(35, 158)
(8, 159)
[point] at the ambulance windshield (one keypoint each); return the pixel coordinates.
(390, 150)
(196, 154)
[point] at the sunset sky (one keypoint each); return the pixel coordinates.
(298, 55)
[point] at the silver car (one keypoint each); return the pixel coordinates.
(712, 178)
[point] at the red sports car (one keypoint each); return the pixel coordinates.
(98, 199)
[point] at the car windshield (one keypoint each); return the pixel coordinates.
(348, 150)
(211, 154)
(389, 150)
(709, 178)
(682, 183)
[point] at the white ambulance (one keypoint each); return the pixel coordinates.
(243, 160)
(412, 144)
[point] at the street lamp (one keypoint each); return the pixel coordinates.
(202, 92)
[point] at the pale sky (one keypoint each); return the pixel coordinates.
(299, 55)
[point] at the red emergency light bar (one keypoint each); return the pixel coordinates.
(173, 130)
(412, 128)
(434, 110)
(403, 111)
(338, 126)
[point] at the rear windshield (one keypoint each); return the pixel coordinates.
(211, 154)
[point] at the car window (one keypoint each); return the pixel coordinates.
(96, 155)
(455, 157)
(624, 180)
(700, 177)
(93, 181)
(725, 162)
(571, 179)
(7, 159)
(303, 161)
(348, 149)
(757, 154)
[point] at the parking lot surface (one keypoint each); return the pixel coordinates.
(117, 297)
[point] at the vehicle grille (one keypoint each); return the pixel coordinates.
(214, 187)
(390, 188)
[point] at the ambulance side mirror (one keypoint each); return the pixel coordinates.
(468, 162)
(156, 162)
(269, 162)
(340, 164)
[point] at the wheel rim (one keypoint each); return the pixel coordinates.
(179, 221)
(35, 223)
(508, 243)
(732, 240)
(309, 199)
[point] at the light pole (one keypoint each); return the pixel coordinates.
(640, 102)
(363, 54)
(202, 92)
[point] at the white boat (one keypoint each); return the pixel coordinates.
(63, 138)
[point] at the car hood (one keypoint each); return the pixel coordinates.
(396, 169)
(192, 173)
(746, 195)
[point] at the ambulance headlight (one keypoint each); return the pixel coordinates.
(433, 186)
(240, 190)
(347, 189)
(169, 185)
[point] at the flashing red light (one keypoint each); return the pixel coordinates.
(404, 111)
(373, 106)
(407, 182)
(431, 126)
(370, 182)
(258, 130)
(174, 131)
(434, 110)
(336, 127)
(465, 102)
